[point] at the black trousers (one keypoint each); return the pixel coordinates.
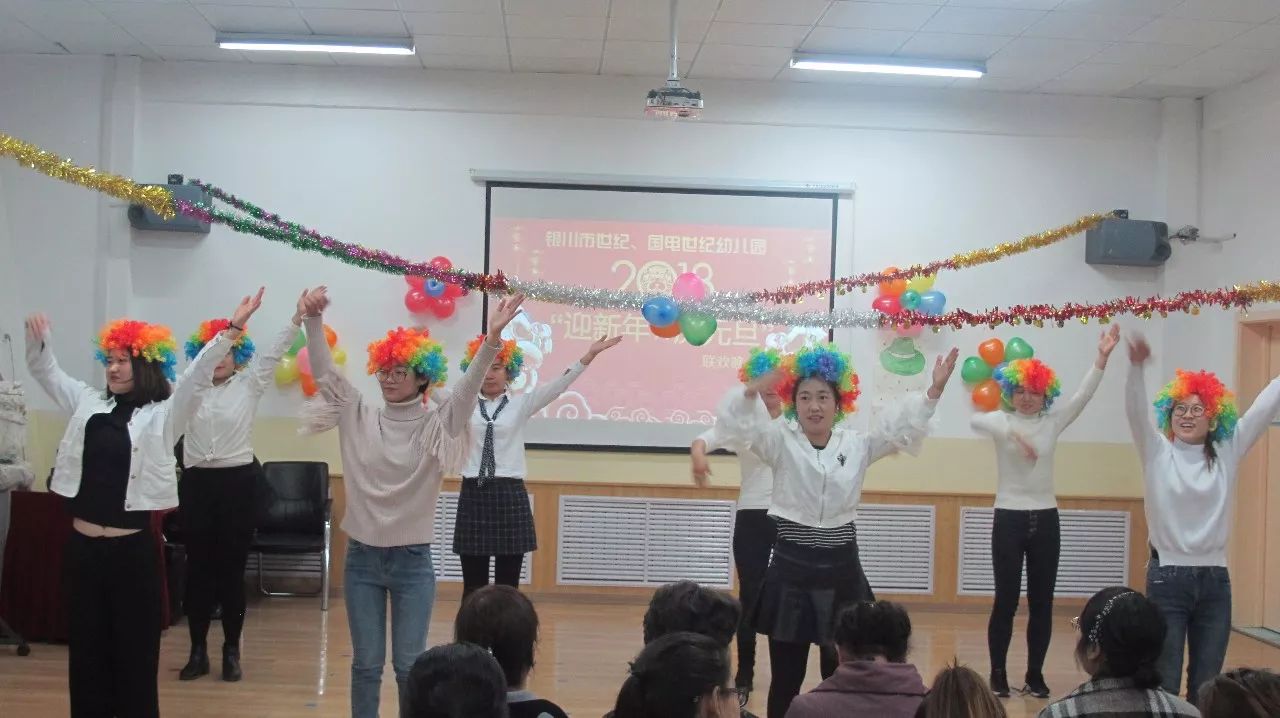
(218, 510)
(114, 609)
(789, 662)
(753, 536)
(475, 571)
(1037, 537)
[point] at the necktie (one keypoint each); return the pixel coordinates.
(488, 462)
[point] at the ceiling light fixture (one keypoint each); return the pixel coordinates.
(316, 43)
(888, 65)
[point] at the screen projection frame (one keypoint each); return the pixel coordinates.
(832, 192)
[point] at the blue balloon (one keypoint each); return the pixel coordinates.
(660, 312)
(433, 287)
(933, 302)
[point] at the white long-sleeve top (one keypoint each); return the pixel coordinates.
(219, 436)
(153, 428)
(394, 455)
(508, 428)
(1189, 503)
(756, 488)
(1024, 484)
(822, 488)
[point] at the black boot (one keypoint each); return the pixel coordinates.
(1035, 686)
(230, 662)
(1000, 683)
(197, 665)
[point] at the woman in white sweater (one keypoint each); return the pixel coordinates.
(220, 487)
(116, 466)
(394, 456)
(818, 470)
(1189, 464)
(1026, 510)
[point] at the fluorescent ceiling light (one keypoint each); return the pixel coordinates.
(316, 43)
(888, 65)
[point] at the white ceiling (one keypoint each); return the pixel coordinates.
(1126, 48)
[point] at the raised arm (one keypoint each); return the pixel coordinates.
(903, 426)
(198, 375)
(1089, 385)
(456, 409)
(62, 388)
(743, 420)
(1137, 406)
(1254, 422)
(540, 396)
(262, 368)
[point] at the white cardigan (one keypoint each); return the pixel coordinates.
(153, 429)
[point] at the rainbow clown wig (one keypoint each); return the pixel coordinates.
(242, 350)
(510, 356)
(1030, 375)
(820, 361)
(759, 362)
(1219, 404)
(149, 342)
(412, 348)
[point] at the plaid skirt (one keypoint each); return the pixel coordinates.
(494, 519)
(804, 590)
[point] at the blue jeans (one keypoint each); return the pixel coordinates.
(1196, 604)
(372, 574)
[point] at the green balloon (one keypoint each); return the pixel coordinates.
(975, 371)
(697, 328)
(909, 299)
(298, 343)
(902, 358)
(1018, 348)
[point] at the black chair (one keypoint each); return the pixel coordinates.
(295, 518)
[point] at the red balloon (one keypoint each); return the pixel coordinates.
(886, 304)
(443, 307)
(441, 263)
(417, 301)
(308, 386)
(413, 282)
(667, 332)
(453, 291)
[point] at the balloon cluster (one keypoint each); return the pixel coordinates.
(667, 320)
(296, 362)
(916, 295)
(977, 371)
(430, 295)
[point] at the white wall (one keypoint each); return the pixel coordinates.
(381, 157)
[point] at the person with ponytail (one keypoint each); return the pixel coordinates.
(1190, 459)
(1242, 693)
(679, 675)
(494, 521)
(873, 678)
(116, 465)
(503, 621)
(1121, 636)
(394, 457)
(818, 469)
(220, 487)
(753, 531)
(1026, 524)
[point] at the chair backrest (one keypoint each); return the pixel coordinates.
(295, 496)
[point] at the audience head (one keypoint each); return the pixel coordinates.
(959, 692)
(1121, 636)
(686, 606)
(1242, 693)
(868, 631)
(503, 621)
(457, 680)
(679, 675)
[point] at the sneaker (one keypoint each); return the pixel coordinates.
(1000, 683)
(1035, 687)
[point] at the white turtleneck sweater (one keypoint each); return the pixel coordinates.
(1024, 484)
(1188, 502)
(393, 456)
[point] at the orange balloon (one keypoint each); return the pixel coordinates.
(308, 385)
(667, 332)
(986, 396)
(330, 336)
(893, 287)
(991, 351)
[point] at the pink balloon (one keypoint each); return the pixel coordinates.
(414, 282)
(886, 304)
(417, 301)
(443, 307)
(912, 331)
(303, 362)
(689, 286)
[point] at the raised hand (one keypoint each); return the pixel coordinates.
(248, 305)
(1139, 350)
(764, 382)
(37, 327)
(502, 315)
(598, 346)
(943, 367)
(1106, 344)
(313, 302)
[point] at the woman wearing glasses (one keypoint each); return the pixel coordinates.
(393, 457)
(1189, 461)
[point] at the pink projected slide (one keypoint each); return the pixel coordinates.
(648, 378)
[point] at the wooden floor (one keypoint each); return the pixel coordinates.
(297, 662)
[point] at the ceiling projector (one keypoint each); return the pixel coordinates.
(673, 102)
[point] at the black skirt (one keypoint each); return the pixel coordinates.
(804, 590)
(494, 519)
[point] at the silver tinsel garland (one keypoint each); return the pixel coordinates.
(721, 305)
